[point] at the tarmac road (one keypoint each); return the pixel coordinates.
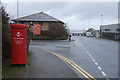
(98, 57)
(46, 65)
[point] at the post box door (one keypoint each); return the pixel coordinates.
(19, 45)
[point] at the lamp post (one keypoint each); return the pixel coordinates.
(101, 19)
(17, 10)
(88, 24)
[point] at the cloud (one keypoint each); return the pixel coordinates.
(75, 14)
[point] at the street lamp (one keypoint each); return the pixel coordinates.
(88, 24)
(17, 10)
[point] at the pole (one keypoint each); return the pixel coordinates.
(101, 19)
(88, 24)
(17, 10)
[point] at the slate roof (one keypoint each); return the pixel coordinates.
(41, 16)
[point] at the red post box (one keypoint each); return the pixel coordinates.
(18, 43)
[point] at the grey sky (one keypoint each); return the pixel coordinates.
(77, 15)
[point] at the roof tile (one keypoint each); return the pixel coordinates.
(41, 16)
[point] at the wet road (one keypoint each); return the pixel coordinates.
(98, 57)
(46, 65)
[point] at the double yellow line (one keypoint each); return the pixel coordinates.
(78, 68)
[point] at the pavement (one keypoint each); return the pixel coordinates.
(46, 65)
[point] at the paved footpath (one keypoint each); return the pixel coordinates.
(47, 65)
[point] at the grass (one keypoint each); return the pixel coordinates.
(10, 72)
(28, 58)
(15, 71)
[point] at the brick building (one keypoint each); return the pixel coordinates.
(48, 24)
(41, 18)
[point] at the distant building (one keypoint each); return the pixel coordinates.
(44, 20)
(111, 31)
(76, 32)
(97, 33)
(91, 30)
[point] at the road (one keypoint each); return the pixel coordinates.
(46, 65)
(97, 57)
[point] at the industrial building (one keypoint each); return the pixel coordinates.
(95, 33)
(111, 31)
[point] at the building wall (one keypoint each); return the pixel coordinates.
(45, 26)
(42, 24)
(109, 28)
(96, 33)
(110, 31)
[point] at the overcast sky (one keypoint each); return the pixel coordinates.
(77, 15)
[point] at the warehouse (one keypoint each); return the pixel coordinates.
(111, 31)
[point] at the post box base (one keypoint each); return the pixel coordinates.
(14, 65)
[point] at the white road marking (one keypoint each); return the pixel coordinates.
(99, 68)
(96, 63)
(93, 60)
(82, 47)
(103, 73)
(79, 44)
(76, 42)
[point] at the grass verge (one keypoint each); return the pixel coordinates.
(9, 71)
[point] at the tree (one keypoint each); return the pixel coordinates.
(5, 33)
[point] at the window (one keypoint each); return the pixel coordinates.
(118, 30)
(21, 22)
(107, 29)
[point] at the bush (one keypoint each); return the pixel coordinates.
(56, 31)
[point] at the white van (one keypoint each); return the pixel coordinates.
(88, 34)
